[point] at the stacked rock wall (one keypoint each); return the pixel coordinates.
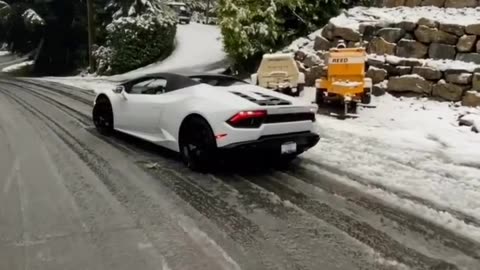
(401, 54)
(423, 39)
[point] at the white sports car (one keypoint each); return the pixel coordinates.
(200, 116)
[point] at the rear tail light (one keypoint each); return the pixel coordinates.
(248, 119)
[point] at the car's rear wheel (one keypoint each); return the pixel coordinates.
(197, 144)
(103, 116)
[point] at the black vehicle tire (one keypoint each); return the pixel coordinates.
(319, 97)
(366, 97)
(197, 144)
(300, 88)
(102, 116)
(282, 161)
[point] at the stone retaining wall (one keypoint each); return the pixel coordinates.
(436, 3)
(423, 39)
(399, 56)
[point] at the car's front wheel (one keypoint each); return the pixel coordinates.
(103, 116)
(197, 144)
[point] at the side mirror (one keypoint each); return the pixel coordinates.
(119, 89)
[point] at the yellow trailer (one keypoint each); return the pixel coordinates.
(345, 82)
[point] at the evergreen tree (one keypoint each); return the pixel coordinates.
(253, 27)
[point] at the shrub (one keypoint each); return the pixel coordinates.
(252, 28)
(133, 42)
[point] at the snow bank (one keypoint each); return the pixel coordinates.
(354, 17)
(4, 53)
(411, 148)
(17, 67)
(95, 85)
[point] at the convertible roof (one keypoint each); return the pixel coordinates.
(174, 81)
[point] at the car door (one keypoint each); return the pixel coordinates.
(139, 112)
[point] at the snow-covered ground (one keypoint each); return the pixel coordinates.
(199, 48)
(352, 18)
(3, 53)
(412, 153)
(17, 67)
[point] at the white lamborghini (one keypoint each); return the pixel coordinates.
(200, 116)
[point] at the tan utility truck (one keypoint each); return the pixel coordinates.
(280, 72)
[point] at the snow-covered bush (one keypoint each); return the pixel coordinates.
(136, 40)
(252, 28)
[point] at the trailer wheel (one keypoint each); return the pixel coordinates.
(366, 97)
(320, 96)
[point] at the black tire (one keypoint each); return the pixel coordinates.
(319, 97)
(102, 116)
(283, 161)
(197, 144)
(366, 97)
(300, 88)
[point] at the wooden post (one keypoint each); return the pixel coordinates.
(91, 35)
(207, 12)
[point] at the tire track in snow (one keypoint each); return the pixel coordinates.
(144, 207)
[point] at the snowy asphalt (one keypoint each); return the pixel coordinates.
(73, 199)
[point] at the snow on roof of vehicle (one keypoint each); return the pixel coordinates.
(277, 56)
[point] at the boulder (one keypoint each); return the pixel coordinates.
(401, 70)
(435, 3)
(327, 31)
(469, 57)
(413, 3)
(428, 73)
(409, 83)
(314, 73)
(471, 99)
(391, 70)
(460, 3)
(428, 35)
(312, 60)
(392, 35)
(375, 60)
(409, 36)
(300, 55)
(447, 91)
(394, 3)
(427, 22)
(452, 28)
(376, 74)
(441, 51)
(406, 25)
(321, 44)
(473, 29)
(346, 33)
(378, 89)
(410, 62)
(369, 32)
(476, 81)
(410, 48)
(378, 45)
(458, 77)
(466, 43)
